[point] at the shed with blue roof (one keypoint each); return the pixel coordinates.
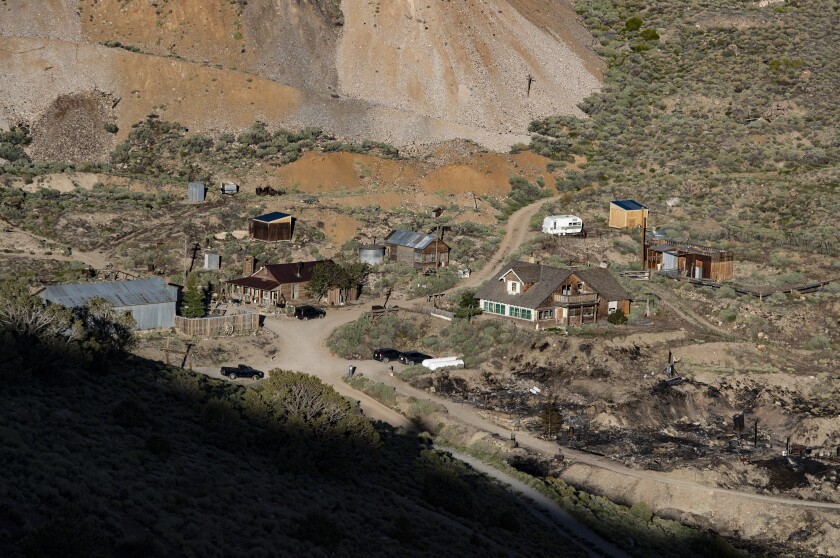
(627, 214)
(272, 227)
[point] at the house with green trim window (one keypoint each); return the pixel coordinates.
(551, 296)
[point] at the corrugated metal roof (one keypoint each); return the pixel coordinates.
(118, 293)
(273, 216)
(629, 205)
(410, 239)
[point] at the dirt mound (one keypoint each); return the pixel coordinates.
(405, 73)
(73, 129)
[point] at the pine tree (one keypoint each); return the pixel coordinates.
(193, 305)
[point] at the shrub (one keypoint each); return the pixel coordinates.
(642, 511)
(617, 318)
(158, 446)
(633, 24)
(111, 128)
(319, 529)
(649, 35)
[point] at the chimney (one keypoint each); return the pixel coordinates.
(248, 265)
(299, 268)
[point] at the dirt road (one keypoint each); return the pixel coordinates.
(546, 509)
(516, 232)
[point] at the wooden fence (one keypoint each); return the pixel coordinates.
(232, 324)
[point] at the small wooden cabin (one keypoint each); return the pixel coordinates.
(690, 260)
(627, 214)
(272, 227)
(420, 250)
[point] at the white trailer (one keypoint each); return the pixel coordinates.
(444, 362)
(562, 224)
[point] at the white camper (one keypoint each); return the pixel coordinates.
(562, 224)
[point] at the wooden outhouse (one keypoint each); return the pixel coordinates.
(272, 227)
(627, 214)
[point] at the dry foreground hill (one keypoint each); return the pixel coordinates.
(399, 72)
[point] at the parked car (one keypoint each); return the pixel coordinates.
(242, 371)
(306, 312)
(386, 355)
(413, 357)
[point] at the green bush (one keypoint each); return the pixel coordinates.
(617, 318)
(633, 24)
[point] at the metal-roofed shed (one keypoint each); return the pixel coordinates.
(625, 214)
(420, 250)
(151, 302)
(272, 227)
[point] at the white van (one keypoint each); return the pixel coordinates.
(562, 224)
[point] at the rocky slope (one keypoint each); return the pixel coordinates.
(403, 72)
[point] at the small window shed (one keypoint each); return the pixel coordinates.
(272, 227)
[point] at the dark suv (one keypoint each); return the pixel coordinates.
(386, 355)
(242, 371)
(413, 357)
(306, 312)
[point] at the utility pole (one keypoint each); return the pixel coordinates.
(530, 79)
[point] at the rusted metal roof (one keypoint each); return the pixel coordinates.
(119, 293)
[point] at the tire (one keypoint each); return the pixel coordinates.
(257, 377)
(322, 316)
(386, 360)
(232, 375)
(306, 318)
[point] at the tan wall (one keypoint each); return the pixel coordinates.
(623, 219)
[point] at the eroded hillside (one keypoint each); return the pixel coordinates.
(401, 72)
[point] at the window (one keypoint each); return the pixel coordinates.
(513, 287)
(526, 313)
(566, 290)
(514, 312)
(546, 314)
(499, 309)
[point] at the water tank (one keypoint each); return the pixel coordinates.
(372, 254)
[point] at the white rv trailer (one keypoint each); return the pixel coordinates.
(562, 224)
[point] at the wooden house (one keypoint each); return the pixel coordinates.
(272, 227)
(550, 296)
(690, 260)
(627, 214)
(420, 250)
(278, 284)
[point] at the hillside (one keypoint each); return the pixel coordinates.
(404, 73)
(147, 460)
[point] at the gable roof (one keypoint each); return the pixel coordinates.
(629, 205)
(118, 293)
(601, 281)
(271, 217)
(548, 279)
(281, 274)
(409, 239)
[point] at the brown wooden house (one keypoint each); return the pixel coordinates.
(272, 227)
(690, 260)
(278, 285)
(551, 296)
(420, 250)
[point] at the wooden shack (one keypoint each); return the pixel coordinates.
(627, 214)
(272, 227)
(420, 250)
(690, 260)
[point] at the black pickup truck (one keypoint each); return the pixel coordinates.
(242, 371)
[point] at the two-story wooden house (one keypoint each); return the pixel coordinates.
(551, 296)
